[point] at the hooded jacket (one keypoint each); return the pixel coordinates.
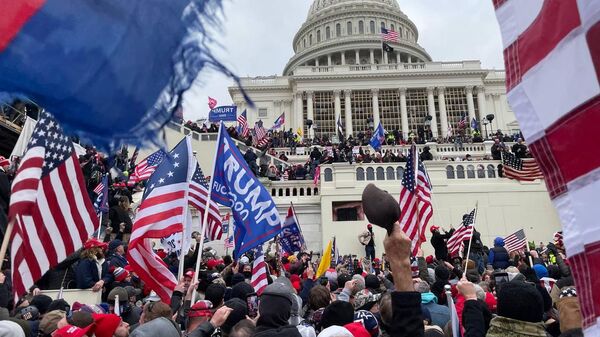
(159, 327)
(508, 327)
(498, 256)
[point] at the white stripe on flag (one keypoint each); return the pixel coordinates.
(515, 16)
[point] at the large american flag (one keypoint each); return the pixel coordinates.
(455, 243)
(259, 272)
(243, 129)
(52, 212)
(415, 200)
(389, 35)
(515, 241)
(146, 167)
(552, 58)
(160, 214)
(198, 196)
(525, 169)
(261, 138)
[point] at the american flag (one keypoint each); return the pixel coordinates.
(261, 138)
(243, 129)
(515, 241)
(463, 122)
(259, 272)
(415, 200)
(198, 195)
(317, 175)
(146, 167)
(160, 214)
(456, 242)
(552, 59)
(389, 35)
(229, 242)
(101, 203)
(212, 103)
(52, 212)
(525, 169)
(99, 188)
(279, 122)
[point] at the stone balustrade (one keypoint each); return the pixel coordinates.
(408, 67)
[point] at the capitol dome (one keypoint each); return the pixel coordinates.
(348, 32)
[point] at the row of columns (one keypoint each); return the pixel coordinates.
(357, 58)
(431, 91)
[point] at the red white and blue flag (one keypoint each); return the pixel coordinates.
(261, 138)
(259, 272)
(279, 122)
(455, 243)
(243, 129)
(212, 103)
(229, 243)
(52, 212)
(146, 167)
(552, 59)
(389, 35)
(101, 203)
(160, 214)
(415, 200)
(198, 197)
(291, 238)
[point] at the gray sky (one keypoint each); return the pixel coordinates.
(256, 39)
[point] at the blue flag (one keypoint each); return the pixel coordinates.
(103, 68)
(101, 203)
(474, 124)
(254, 211)
(378, 137)
(291, 239)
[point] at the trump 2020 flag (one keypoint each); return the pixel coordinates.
(291, 238)
(378, 138)
(254, 211)
(101, 67)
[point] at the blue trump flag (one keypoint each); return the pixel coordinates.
(378, 137)
(227, 113)
(291, 238)
(233, 185)
(103, 68)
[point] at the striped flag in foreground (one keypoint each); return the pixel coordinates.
(198, 195)
(259, 272)
(415, 200)
(52, 212)
(515, 241)
(456, 242)
(525, 169)
(160, 214)
(552, 59)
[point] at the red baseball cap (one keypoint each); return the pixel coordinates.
(4, 161)
(369, 226)
(189, 273)
(201, 308)
(434, 228)
(93, 242)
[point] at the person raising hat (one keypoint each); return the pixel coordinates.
(438, 241)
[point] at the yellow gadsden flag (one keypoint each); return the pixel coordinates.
(325, 261)
(300, 132)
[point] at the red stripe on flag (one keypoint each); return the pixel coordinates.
(65, 182)
(15, 14)
(498, 3)
(555, 21)
(592, 37)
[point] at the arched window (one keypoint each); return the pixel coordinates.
(301, 191)
(308, 191)
(460, 172)
(304, 43)
(318, 36)
(399, 172)
(480, 171)
(310, 40)
(380, 173)
(450, 172)
(315, 191)
(327, 33)
(400, 32)
(349, 28)
(338, 30)
(361, 27)
(294, 192)
(328, 174)
(281, 192)
(470, 171)
(370, 173)
(372, 27)
(491, 171)
(390, 174)
(287, 192)
(360, 174)
(273, 192)
(392, 27)
(382, 24)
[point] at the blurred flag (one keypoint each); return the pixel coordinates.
(259, 272)
(279, 122)
(291, 238)
(378, 138)
(212, 103)
(198, 196)
(243, 129)
(101, 203)
(325, 260)
(389, 35)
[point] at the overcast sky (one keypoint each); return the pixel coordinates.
(256, 38)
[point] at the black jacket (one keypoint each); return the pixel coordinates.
(407, 316)
(284, 331)
(438, 241)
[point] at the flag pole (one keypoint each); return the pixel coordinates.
(227, 235)
(206, 210)
(184, 223)
(7, 235)
(471, 239)
(100, 226)
(298, 224)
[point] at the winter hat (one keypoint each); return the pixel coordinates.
(201, 308)
(490, 300)
(120, 274)
(429, 259)
(337, 313)
(357, 330)
(296, 282)
(29, 313)
(240, 311)
(284, 281)
(442, 273)
(73, 331)
(568, 310)
(237, 278)
(241, 291)
(80, 319)
(50, 320)
(118, 291)
(540, 271)
(131, 291)
(335, 331)
(275, 306)
(215, 293)
(372, 282)
(380, 207)
(11, 329)
(343, 278)
(278, 289)
(41, 302)
(244, 260)
(106, 324)
(114, 244)
(59, 304)
(364, 300)
(368, 320)
(520, 301)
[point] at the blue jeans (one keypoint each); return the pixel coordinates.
(370, 252)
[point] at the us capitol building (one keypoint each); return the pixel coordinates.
(339, 70)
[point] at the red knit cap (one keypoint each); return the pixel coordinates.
(357, 330)
(106, 324)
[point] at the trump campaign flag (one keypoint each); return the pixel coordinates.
(291, 239)
(102, 67)
(161, 213)
(378, 138)
(254, 211)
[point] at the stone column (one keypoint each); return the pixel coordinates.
(357, 57)
(481, 101)
(409, 58)
(337, 106)
(317, 62)
(431, 108)
(348, 112)
(385, 57)
(372, 56)
(310, 114)
(376, 117)
(299, 112)
(343, 58)
(329, 60)
(398, 57)
(288, 114)
(443, 113)
(403, 113)
(470, 104)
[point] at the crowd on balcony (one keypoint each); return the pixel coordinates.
(17, 110)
